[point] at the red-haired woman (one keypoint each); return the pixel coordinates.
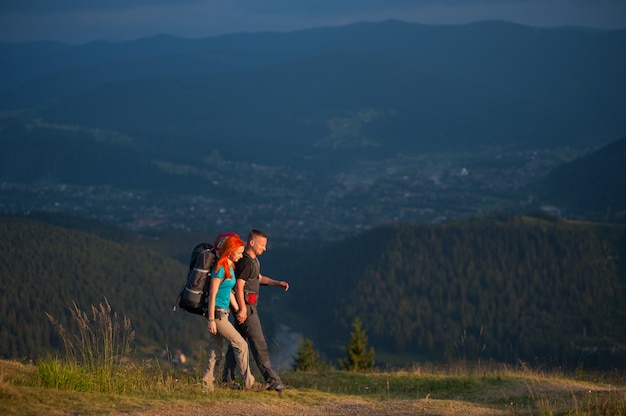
(220, 328)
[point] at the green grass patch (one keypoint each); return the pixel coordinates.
(57, 387)
(96, 377)
(397, 385)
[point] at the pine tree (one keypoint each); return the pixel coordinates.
(359, 357)
(307, 358)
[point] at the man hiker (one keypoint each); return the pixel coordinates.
(247, 322)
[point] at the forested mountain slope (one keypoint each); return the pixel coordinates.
(595, 183)
(45, 268)
(503, 289)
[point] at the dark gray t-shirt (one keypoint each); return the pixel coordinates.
(248, 269)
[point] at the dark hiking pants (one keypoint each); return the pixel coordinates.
(252, 331)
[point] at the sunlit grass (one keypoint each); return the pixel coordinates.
(516, 391)
(96, 352)
(96, 376)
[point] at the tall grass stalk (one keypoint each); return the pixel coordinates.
(100, 346)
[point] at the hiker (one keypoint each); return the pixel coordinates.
(219, 299)
(247, 322)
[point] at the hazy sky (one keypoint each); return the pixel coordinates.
(78, 21)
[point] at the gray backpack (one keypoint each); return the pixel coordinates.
(193, 294)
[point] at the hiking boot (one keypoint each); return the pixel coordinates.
(279, 386)
(256, 386)
(231, 385)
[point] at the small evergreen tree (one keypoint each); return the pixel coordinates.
(307, 358)
(359, 357)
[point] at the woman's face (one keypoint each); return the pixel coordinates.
(236, 255)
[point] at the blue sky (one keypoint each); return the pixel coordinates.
(79, 21)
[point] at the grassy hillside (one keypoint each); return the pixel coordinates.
(419, 390)
(46, 269)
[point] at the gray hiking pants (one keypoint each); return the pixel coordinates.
(215, 352)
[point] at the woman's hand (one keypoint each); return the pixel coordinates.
(212, 326)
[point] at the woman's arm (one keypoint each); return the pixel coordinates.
(233, 302)
(213, 287)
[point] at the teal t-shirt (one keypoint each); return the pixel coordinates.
(222, 300)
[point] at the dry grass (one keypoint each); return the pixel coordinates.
(96, 378)
(418, 391)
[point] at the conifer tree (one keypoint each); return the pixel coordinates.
(359, 357)
(307, 358)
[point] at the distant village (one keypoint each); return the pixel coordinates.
(425, 190)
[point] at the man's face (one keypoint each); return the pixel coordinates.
(258, 245)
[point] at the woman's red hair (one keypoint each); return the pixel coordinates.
(228, 247)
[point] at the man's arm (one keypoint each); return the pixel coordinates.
(242, 272)
(242, 314)
(268, 281)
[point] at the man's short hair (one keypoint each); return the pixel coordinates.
(256, 233)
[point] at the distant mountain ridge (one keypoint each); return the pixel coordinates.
(427, 86)
(27, 61)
